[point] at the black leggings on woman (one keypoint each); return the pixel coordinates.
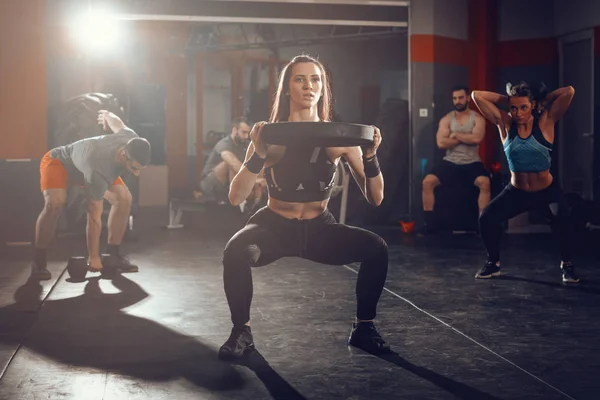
(512, 202)
(268, 236)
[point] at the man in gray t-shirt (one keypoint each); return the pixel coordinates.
(223, 164)
(96, 164)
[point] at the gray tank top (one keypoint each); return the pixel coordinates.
(463, 153)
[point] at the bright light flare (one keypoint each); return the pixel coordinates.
(98, 31)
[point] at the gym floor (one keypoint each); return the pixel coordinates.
(155, 334)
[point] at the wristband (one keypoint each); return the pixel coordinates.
(255, 163)
(371, 166)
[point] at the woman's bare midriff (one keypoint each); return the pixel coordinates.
(531, 181)
(297, 210)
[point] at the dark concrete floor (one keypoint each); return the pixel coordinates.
(155, 334)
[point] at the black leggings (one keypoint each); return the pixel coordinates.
(512, 202)
(268, 236)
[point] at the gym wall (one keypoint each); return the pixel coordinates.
(440, 56)
(382, 63)
(528, 49)
(22, 79)
(23, 116)
(355, 65)
(151, 74)
(574, 16)
(507, 40)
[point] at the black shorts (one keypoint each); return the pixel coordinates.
(450, 173)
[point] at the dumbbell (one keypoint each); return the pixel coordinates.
(77, 268)
(318, 134)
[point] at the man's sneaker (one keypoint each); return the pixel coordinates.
(568, 273)
(364, 335)
(119, 263)
(40, 272)
(489, 270)
(239, 343)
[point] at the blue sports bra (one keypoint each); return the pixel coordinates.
(532, 154)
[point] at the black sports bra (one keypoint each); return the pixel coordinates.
(302, 175)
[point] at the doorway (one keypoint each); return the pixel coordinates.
(576, 136)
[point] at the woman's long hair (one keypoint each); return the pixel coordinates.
(281, 104)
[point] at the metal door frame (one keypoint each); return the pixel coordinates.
(567, 39)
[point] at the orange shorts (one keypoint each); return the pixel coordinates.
(53, 175)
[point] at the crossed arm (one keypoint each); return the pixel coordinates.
(443, 139)
(476, 136)
(446, 139)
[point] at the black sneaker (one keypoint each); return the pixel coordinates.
(490, 269)
(239, 343)
(119, 263)
(568, 273)
(364, 335)
(40, 272)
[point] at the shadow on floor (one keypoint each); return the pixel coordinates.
(583, 286)
(460, 390)
(277, 386)
(93, 331)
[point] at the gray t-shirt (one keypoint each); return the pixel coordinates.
(95, 160)
(225, 144)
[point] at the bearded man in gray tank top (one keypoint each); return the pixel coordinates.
(459, 133)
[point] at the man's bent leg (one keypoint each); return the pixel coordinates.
(213, 190)
(120, 200)
(53, 185)
(430, 182)
(214, 180)
(222, 173)
(54, 202)
(232, 174)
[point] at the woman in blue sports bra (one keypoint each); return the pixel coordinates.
(527, 135)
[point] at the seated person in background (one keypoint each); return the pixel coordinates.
(460, 133)
(223, 164)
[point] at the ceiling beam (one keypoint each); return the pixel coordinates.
(208, 43)
(395, 3)
(328, 12)
(258, 20)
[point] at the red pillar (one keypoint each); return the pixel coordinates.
(483, 24)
